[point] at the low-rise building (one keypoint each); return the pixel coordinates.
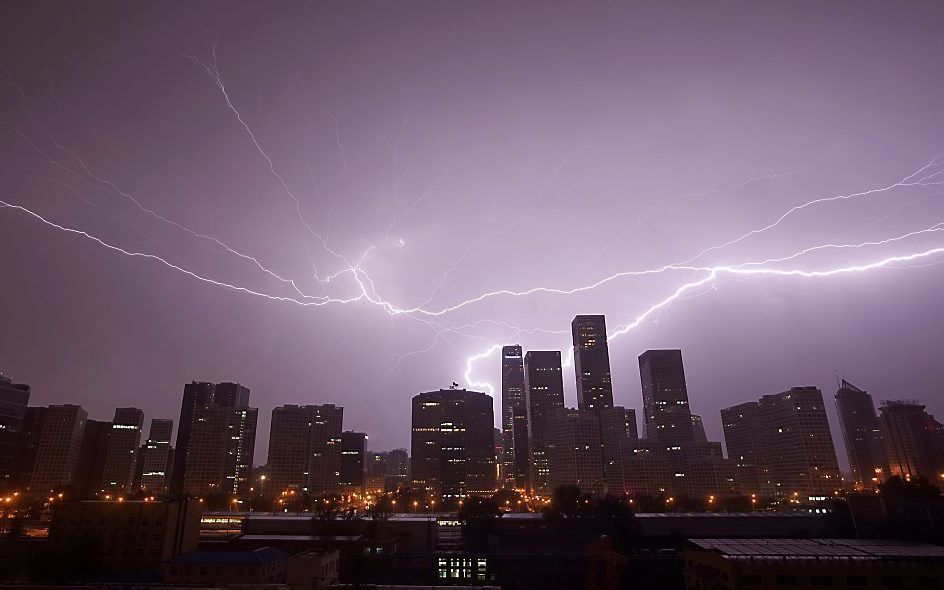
(810, 563)
(265, 565)
(134, 536)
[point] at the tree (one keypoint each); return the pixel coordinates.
(916, 487)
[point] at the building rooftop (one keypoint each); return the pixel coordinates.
(820, 549)
(249, 557)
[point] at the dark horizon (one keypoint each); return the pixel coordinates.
(467, 151)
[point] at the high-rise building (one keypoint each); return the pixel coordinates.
(574, 450)
(619, 437)
(544, 390)
(592, 362)
(305, 449)
(215, 439)
(353, 461)
(29, 445)
(14, 399)
(453, 443)
(90, 469)
(157, 458)
(667, 417)
(798, 443)
(862, 436)
(196, 394)
(515, 455)
(121, 452)
(912, 440)
(743, 433)
(57, 451)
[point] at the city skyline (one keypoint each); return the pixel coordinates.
(492, 150)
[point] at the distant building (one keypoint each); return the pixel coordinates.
(912, 440)
(574, 450)
(305, 449)
(28, 445)
(592, 362)
(619, 438)
(398, 469)
(14, 399)
(667, 417)
(353, 459)
(862, 436)
(544, 390)
(743, 432)
(122, 448)
(90, 470)
(135, 536)
(157, 457)
(798, 443)
(196, 394)
(515, 455)
(57, 450)
(453, 446)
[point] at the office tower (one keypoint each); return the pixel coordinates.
(619, 438)
(698, 431)
(220, 451)
(798, 443)
(57, 451)
(516, 457)
(196, 393)
(305, 449)
(215, 439)
(743, 433)
(398, 469)
(90, 469)
(453, 443)
(592, 362)
(376, 463)
(862, 436)
(912, 440)
(28, 445)
(574, 450)
(121, 453)
(14, 398)
(157, 458)
(667, 417)
(353, 461)
(544, 390)
(649, 471)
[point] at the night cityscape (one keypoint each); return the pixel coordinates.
(285, 293)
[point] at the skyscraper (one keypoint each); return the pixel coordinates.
(453, 443)
(90, 469)
(619, 437)
(57, 450)
(798, 444)
(862, 436)
(743, 432)
(29, 444)
(14, 398)
(196, 393)
(514, 420)
(544, 390)
(667, 417)
(912, 440)
(305, 449)
(121, 452)
(158, 456)
(592, 362)
(215, 440)
(574, 450)
(353, 461)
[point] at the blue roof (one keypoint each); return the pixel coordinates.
(254, 557)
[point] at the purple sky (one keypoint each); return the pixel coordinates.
(519, 145)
